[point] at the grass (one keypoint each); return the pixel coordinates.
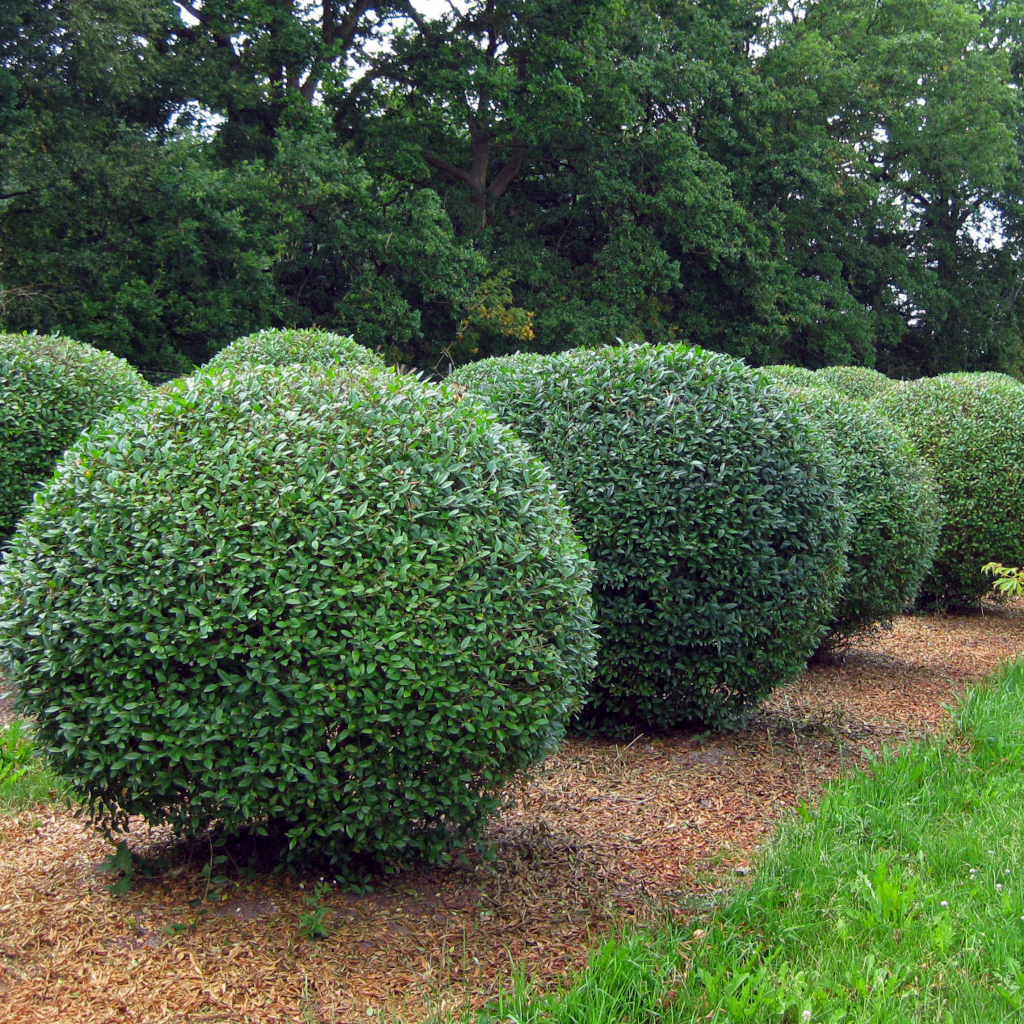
(24, 781)
(900, 898)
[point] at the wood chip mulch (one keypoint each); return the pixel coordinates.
(607, 834)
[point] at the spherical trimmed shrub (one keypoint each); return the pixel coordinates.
(982, 378)
(892, 497)
(285, 347)
(709, 508)
(785, 375)
(51, 388)
(856, 381)
(971, 432)
(342, 608)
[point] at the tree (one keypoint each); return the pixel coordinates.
(916, 101)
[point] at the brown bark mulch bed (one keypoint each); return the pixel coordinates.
(606, 834)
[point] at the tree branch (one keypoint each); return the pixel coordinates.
(446, 168)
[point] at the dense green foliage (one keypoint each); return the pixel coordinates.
(836, 182)
(51, 388)
(893, 501)
(793, 377)
(342, 609)
(284, 347)
(709, 509)
(970, 429)
(856, 381)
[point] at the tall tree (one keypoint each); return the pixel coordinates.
(916, 99)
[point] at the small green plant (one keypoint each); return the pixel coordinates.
(25, 781)
(122, 863)
(1006, 580)
(15, 752)
(312, 923)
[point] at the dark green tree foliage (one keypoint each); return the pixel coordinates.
(892, 497)
(856, 381)
(914, 106)
(971, 432)
(341, 609)
(709, 508)
(284, 348)
(51, 389)
(566, 140)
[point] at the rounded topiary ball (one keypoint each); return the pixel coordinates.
(287, 347)
(51, 389)
(971, 433)
(783, 374)
(709, 508)
(892, 497)
(345, 608)
(856, 381)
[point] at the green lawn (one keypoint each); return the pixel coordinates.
(899, 899)
(24, 780)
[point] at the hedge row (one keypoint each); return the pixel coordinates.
(710, 509)
(344, 607)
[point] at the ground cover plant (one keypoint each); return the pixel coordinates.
(285, 347)
(343, 610)
(891, 496)
(898, 899)
(709, 508)
(970, 430)
(51, 388)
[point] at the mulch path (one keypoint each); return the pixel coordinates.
(606, 834)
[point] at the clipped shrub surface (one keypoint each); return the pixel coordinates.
(51, 388)
(892, 497)
(971, 432)
(856, 381)
(345, 609)
(285, 347)
(709, 509)
(785, 375)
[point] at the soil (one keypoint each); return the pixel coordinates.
(606, 835)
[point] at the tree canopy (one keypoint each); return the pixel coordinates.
(835, 182)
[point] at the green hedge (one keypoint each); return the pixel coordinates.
(709, 509)
(286, 347)
(856, 381)
(893, 500)
(51, 388)
(970, 429)
(343, 609)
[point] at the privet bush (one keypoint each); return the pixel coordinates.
(788, 376)
(709, 508)
(856, 381)
(343, 608)
(51, 388)
(892, 498)
(971, 432)
(982, 378)
(285, 347)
